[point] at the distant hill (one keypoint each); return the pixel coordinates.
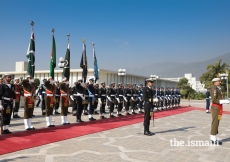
(172, 69)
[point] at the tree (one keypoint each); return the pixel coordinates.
(182, 82)
(213, 71)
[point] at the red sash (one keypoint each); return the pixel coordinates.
(52, 99)
(65, 99)
(17, 90)
(30, 99)
(220, 107)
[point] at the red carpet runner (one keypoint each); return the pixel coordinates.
(27, 139)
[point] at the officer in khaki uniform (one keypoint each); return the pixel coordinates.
(29, 92)
(50, 101)
(217, 109)
(64, 100)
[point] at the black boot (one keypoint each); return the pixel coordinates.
(146, 132)
(147, 127)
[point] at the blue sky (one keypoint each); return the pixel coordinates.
(127, 33)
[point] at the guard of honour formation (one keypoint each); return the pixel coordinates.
(87, 97)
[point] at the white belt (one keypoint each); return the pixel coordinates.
(129, 95)
(57, 95)
(86, 96)
(103, 95)
(27, 95)
(43, 92)
(96, 94)
(64, 94)
(8, 99)
(141, 94)
(17, 92)
(112, 95)
(50, 95)
(91, 95)
(121, 95)
(135, 95)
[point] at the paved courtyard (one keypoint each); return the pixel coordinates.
(129, 144)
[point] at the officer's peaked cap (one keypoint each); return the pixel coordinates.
(215, 79)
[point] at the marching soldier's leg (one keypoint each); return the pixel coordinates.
(43, 105)
(111, 109)
(30, 115)
(74, 109)
(16, 108)
(62, 111)
(66, 106)
(57, 98)
(91, 109)
(26, 114)
(127, 107)
(95, 106)
(8, 106)
(133, 106)
(79, 109)
(86, 108)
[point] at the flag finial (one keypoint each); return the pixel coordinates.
(83, 40)
(32, 24)
(68, 35)
(93, 44)
(53, 31)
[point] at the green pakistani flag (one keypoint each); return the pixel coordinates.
(66, 68)
(31, 56)
(53, 58)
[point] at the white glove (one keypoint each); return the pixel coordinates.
(132, 98)
(224, 101)
(99, 101)
(155, 100)
(109, 98)
(118, 100)
(72, 98)
(139, 98)
(125, 98)
(209, 96)
(1, 107)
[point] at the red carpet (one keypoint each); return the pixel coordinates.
(23, 140)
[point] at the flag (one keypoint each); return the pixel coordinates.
(83, 63)
(96, 74)
(53, 58)
(31, 56)
(66, 68)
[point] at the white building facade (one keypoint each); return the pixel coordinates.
(106, 76)
(196, 85)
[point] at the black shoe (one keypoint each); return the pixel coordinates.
(64, 124)
(33, 115)
(79, 121)
(44, 113)
(147, 133)
(67, 123)
(91, 119)
(8, 132)
(56, 112)
(16, 116)
(151, 133)
(32, 128)
(49, 126)
(28, 129)
(5, 132)
(69, 112)
(216, 142)
(52, 125)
